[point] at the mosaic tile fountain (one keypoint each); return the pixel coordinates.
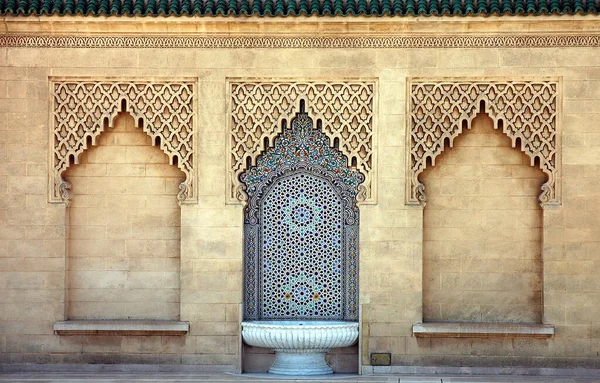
(301, 250)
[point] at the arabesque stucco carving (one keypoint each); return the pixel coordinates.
(548, 40)
(527, 111)
(82, 108)
(345, 109)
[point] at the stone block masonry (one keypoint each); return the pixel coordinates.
(482, 240)
(137, 252)
(123, 229)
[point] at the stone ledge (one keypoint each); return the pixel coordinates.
(482, 330)
(121, 327)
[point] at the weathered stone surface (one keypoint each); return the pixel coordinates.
(37, 262)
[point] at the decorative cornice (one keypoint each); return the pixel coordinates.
(457, 41)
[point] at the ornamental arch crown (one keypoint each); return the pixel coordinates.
(82, 108)
(346, 109)
(527, 111)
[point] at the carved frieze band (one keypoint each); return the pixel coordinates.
(526, 111)
(454, 41)
(82, 108)
(345, 110)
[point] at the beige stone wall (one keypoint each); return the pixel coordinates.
(482, 231)
(32, 232)
(123, 229)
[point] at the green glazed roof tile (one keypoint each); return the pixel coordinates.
(271, 8)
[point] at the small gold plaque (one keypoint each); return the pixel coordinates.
(381, 359)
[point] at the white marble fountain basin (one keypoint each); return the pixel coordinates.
(300, 346)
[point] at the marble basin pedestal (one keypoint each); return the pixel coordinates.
(300, 346)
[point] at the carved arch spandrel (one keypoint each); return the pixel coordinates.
(81, 109)
(346, 108)
(526, 111)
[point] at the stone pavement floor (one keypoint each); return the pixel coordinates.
(101, 377)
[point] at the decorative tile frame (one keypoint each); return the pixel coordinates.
(300, 150)
(527, 111)
(82, 108)
(346, 107)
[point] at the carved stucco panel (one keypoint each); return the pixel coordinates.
(81, 109)
(527, 111)
(346, 109)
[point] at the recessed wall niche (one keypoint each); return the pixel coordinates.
(483, 160)
(122, 158)
(482, 232)
(124, 229)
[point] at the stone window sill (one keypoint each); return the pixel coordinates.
(121, 327)
(482, 330)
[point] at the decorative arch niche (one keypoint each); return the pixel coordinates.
(301, 188)
(82, 108)
(526, 111)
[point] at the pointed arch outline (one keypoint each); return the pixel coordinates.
(82, 108)
(300, 149)
(527, 111)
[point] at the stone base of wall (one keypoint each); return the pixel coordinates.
(366, 370)
(127, 368)
(511, 371)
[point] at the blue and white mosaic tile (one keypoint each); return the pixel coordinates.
(301, 230)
